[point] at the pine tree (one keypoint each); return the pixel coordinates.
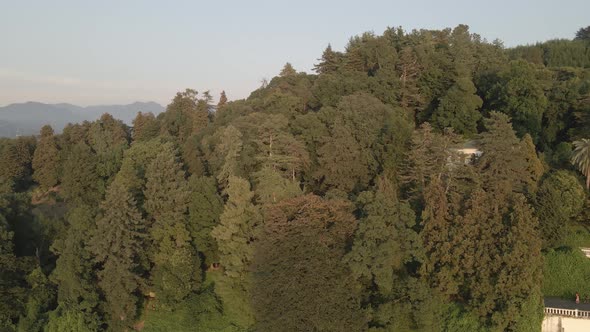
(229, 148)
(145, 127)
(287, 70)
(236, 229)
(222, 100)
(74, 273)
(81, 183)
(177, 268)
(205, 208)
(235, 236)
(46, 159)
(118, 245)
(330, 61)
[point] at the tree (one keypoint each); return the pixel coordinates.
(581, 158)
(235, 236)
(186, 115)
(41, 299)
(329, 62)
(204, 208)
(46, 159)
(459, 108)
(384, 245)
(287, 70)
(583, 34)
(229, 148)
(222, 100)
(13, 291)
(118, 246)
(176, 268)
(81, 183)
(506, 162)
(302, 245)
(559, 199)
(15, 164)
(519, 93)
(75, 273)
(145, 127)
(236, 229)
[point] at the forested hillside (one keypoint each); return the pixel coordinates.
(333, 201)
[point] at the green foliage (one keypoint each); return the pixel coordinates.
(186, 115)
(519, 93)
(566, 272)
(262, 236)
(176, 268)
(459, 108)
(559, 199)
(62, 320)
(205, 207)
(145, 127)
(302, 245)
(199, 312)
(81, 183)
(46, 159)
(17, 156)
(117, 245)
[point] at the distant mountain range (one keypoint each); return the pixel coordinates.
(28, 118)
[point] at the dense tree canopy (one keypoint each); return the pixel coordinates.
(414, 182)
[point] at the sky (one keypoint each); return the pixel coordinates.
(121, 51)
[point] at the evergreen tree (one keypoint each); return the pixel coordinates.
(145, 127)
(302, 245)
(329, 62)
(583, 34)
(384, 245)
(118, 248)
(46, 159)
(506, 162)
(205, 208)
(229, 148)
(15, 164)
(177, 268)
(287, 70)
(559, 199)
(222, 100)
(459, 108)
(74, 273)
(235, 236)
(81, 183)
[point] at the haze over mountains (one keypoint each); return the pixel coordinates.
(27, 118)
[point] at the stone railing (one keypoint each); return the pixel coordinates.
(567, 312)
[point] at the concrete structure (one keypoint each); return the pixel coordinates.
(566, 316)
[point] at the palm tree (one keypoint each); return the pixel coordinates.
(581, 158)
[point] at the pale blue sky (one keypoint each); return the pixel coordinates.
(107, 51)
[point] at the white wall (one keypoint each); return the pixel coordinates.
(568, 324)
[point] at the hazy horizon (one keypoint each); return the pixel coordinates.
(121, 52)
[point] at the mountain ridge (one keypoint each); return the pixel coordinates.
(27, 118)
